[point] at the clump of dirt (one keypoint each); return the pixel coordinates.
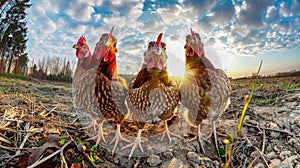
(38, 121)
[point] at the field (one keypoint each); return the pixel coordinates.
(40, 126)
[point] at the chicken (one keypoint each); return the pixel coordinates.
(84, 82)
(111, 90)
(205, 90)
(153, 94)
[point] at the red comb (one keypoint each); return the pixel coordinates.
(111, 32)
(81, 40)
(159, 39)
(192, 32)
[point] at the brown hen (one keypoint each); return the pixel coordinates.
(111, 89)
(84, 82)
(153, 94)
(205, 90)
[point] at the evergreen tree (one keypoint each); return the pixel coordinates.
(14, 34)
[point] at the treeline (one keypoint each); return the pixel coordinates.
(52, 68)
(275, 75)
(287, 74)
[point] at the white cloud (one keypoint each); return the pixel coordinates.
(251, 13)
(227, 10)
(80, 29)
(238, 28)
(97, 17)
(284, 9)
(80, 12)
(49, 26)
(115, 20)
(152, 26)
(173, 15)
(271, 13)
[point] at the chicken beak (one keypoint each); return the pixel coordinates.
(75, 46)
(104, 50)
(158, 50)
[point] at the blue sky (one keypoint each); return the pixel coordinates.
(237, 34)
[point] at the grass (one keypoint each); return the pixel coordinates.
(18, 76)
(230, 151)
(289, 86)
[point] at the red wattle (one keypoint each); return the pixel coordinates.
(77, 53)
(159, 64)
(151, 64)
(105, 56)
(198, 51)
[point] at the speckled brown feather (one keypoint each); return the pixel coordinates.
(154, 99)
(111, 96)
(205, 90)
(84, 86)
(84, 81)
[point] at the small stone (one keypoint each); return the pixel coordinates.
(297, 120)
(283, 109)
(294, 104)
(274, 162)
(154, 160)
(269, 147)
(168, 154)
(206, 161)
(263, 110)
(276, 148)
(116, 160)
(254, 154)
(271, 155)
(289, 160)
(216, 163)
(259, 165)
(294, 142)
(150, 149)
(284, 154)
(192, 156)
(124, 162)
(174, 163)
(274, 134)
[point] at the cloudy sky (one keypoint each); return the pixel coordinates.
(237, 34)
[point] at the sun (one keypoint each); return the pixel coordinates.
(175, 67)
(176, 59)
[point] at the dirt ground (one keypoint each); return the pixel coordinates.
(40, 127)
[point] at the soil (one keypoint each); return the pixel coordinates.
(39, 121)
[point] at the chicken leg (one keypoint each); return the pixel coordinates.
(199, 137)
(118, 137)
(100, 134)
(134, 144)
(168, 133)
(93, 124)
